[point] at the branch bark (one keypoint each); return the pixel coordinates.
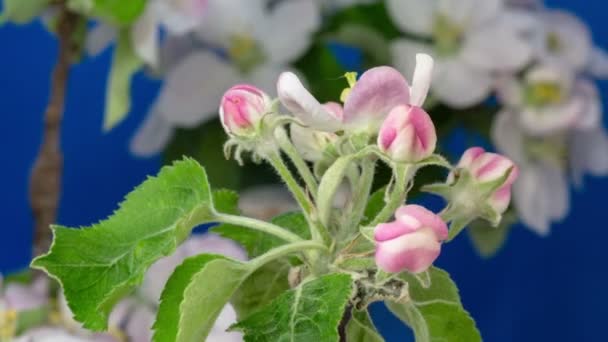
(348, 314)
(45, 180)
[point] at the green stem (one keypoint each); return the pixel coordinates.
(284, 250)
(397, 197)
(262, 226)
(290, 150)
(361, 195)
(318, 232)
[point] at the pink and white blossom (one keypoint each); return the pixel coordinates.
(368, 103)
(407, 135)
(410, 243)
(241, 109)
(487, 167)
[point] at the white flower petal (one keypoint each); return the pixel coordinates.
(404, 53)
(588, 153)
(265, 202)
(139, 326)
(591, 115)
(496, 48)
(421, 81)
(508, 137)
(414, 16)
(460, 85)
(470, 13)
(193, 89)
(530, 199)
(265, 77)
(145, 37)
(219, 333)
(598, 65)
(303, 105)
(226, 19)
(556, 183)
(180, 16)
(152, 136)
(99, 38)
(298, 21)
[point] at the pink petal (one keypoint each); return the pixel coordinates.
(469, 156)
(377, 92)
(391, 230)
(426, 217)
(413, 252)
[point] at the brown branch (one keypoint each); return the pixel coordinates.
(348, 314)
(45, 181)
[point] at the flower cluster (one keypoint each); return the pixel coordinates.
(381, 118)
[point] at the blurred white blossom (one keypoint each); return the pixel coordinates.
(471, 41)
(238, 42)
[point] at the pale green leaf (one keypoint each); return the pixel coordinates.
(310, 312)
(329, 185)
(435, 313)
(99, 264)
(360, 328)
(195, 295)
(375, 204)
(488, 240)
(22, 11)
(260, 288)
(125, 64)
(116, 12)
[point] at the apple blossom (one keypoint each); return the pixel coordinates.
(242, 108)
(471, 40)
(407, 135)
(410, 243)
(367, 103)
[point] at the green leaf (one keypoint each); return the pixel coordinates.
(194, 296)
(116, 12)
(125, 64)
(375, 204)
(488, 240)
(29, 319)
(22, 11)
(435, 313)
(257, 243)
(360, 328)
(310, 312)
(99, 264)
(260, 288)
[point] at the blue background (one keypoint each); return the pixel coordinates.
(536, 289)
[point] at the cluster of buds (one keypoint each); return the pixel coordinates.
(381, 118)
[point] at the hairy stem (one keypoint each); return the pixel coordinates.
(284, 250)
(397, 197)
(290, 150)
(360, 196)
(45, 179)
(318, 231)
(262, 226)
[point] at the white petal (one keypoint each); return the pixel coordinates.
(145, 37)
(591, 115)
(508, 137)
(265, 77)
(180, 16)
(298, 21)
(496, 48)
(226, 19)
(460, 85)
(193, 89)
(598, 65)
(509, 90)
(421, 81)
(214, 244)
(530, 199)
(470, 13)
(266, 201)
(152, 136)
(414, 16)
(303, 105)
(556, 183)
(523, 21)
(588, 153)
(226, 318)
(139, 327)
(404, 53)
(99, 38)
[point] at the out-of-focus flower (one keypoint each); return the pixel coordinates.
(266, 201)
(487, 167)
(410, 243)
(541, 194)
(549, 99)
(471, 40)
(238, 42)
(23, 297)
(241, 109)
(367, 103)
(177, 17)
(407, 135)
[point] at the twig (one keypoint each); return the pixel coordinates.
(348, 314)
(45, 181)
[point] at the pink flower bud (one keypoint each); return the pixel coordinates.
(410, 243)
(408, 134)
(242, 108)
(489, 167)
